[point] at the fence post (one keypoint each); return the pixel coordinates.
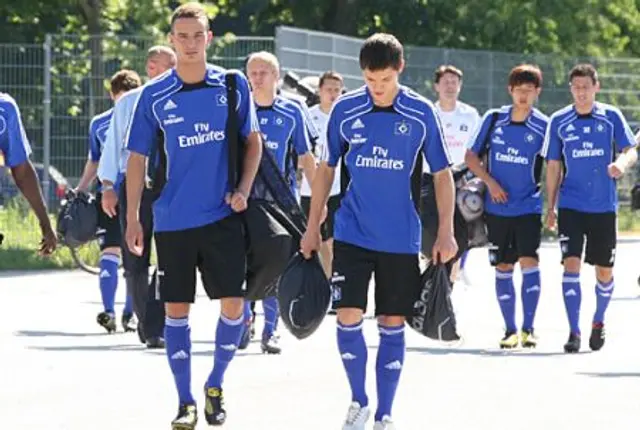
(46, 118)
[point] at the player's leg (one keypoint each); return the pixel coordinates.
(502, 256)
(601, 252)
(222, 264)
(397, 278)
(352, 268)
(177, 259)
(109, 241)
(571, 229)
(327, 237)
(528, 238)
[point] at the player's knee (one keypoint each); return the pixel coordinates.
(177, 310)
(604, 274)
(504, 267)
(390, 321)
(572, 265)
(232, 307)
(349, 316)
(528, 262)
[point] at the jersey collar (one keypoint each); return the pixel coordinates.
(395, 100)
(212, 77)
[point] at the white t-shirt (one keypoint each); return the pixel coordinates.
(320, 120)
(458, 126)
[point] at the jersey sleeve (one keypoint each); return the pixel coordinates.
(312, 130)
(552, 145)
(301, 133)
(478, 143)
(13, 138)
(336, 145)
(622, 133)
(94, 143)
(247, 117)
(475, 123)
(143, 127)
(108, 167)
(434, 147)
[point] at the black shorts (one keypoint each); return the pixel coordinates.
(326, 230)
(513, 237)
(133, 263)
(600, 230)
(109, 233)
(396, 276)
(217, 250)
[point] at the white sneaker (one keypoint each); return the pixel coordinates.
(385, 424)
(357, 417)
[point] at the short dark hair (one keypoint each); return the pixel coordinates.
(380, 52)
(330, 75)
(190, 10)
(525, 74)
(584, 71)
(123, 81)
(444, 69)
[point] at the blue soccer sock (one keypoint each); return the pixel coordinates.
(506, 294)
(388, 367)
(228, 335)
(128, 305)
(271, 314)
(530, 296)
(604, 291)
(353, 351)
(463, 259)
(109, 281)
(177, 335)
(572, 299)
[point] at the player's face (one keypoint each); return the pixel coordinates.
(524, 95)
(262, 76)
(190, 38)
(382, 84)
(584, 90)
(158, 64)
(448, 87)
(329, 91)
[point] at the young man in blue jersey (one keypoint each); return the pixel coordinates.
(380, 132)
(109, 233)
(284, 130)
(511, 140)
(16, 150)
(183, 115)
(588, 146)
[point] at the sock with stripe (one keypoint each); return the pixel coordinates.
(353, 351)
(177, 336)
(572, 299)
(604, 291)
(270, 306)
(228, 334)
(530, 296)
(506, 295)
(388, 367)
(109, 281)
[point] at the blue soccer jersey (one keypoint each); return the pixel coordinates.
(285, 133)
(586, 145)
(514, 159)
(14, 144)
(188, 121)
(97, 135)
(382, 149)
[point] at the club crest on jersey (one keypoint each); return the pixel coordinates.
(402, 128)
(529, 137)
(221, 100)
(464, 127)
(278, 121)
(600, 127)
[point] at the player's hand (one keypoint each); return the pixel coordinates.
(237, 201)
(48, 242)
(498, 195)
(109, 203)
(135, 238)
(310, 242)
(615, 171)
(445, 248)
(552, 219)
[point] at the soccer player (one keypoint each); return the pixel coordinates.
(283, 128)
(511, 140)
(330, 88)
(15, 149)
(111, 170)
(109, 233)
(582, 144)
(197, 211)
(379, 132)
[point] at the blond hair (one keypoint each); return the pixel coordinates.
(266, 57)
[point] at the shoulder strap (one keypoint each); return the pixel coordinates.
(232, 130)
(485, 144)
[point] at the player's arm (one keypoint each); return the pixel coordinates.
(90, 171)
(552, 152)
(626, 143)
(250, 130)
(109, 165)
(17, 158)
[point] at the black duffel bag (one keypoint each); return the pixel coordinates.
(78, 219)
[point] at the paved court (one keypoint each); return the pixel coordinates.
(60, 371)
